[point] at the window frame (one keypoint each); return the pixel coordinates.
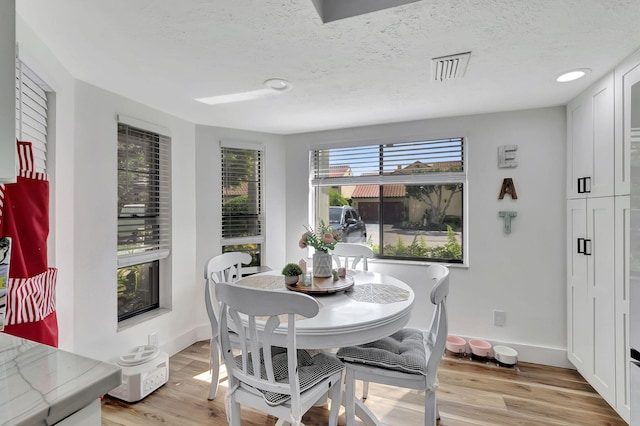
(154, 256)
(319, 176)
(259, 238)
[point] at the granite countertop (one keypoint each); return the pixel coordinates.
(40, 384)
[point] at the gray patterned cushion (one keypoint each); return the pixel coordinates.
(402, 351)
(311, 370)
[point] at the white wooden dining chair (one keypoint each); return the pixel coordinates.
(281, 381)
(226, 267)
(408, 358)
(343, 253)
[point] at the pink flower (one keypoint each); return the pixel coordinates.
(324, 239)
(304, 240)
(327, 238)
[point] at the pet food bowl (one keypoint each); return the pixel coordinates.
(456, 344)
(480, 347)
(505, 355)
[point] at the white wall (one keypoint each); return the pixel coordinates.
(82, 169)
(209, 198)
(95, 197)
(522, 273)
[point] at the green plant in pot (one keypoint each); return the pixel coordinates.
(291, 272)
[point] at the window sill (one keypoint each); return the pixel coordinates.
(139, 319)
(415, 263)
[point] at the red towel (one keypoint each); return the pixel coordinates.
(24, 216)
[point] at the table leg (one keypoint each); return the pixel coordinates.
(355, 407)
(366, 415)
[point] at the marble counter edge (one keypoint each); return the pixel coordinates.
(44, 385)
(105, 379)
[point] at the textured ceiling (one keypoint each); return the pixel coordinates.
(367, 69)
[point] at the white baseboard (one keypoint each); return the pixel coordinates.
(182, 341)
(556, 357)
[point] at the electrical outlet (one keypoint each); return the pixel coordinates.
(499, 318)
(153, 339)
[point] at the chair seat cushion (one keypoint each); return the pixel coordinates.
(311, 371)
(402, 351)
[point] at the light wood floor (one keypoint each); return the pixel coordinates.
(470, 393)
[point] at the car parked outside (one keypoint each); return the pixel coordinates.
(347, 221)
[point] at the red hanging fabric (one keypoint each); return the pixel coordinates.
(24, 216)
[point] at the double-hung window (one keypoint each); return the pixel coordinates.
(143, 218)
(242, 199)
(409, 195)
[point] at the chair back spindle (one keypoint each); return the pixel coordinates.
(343, 253)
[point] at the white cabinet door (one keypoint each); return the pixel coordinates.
(622, 258)
(7, 91)
(601, 273)
(590, 147)
(627, 119)
(590, 295)
(580, 334)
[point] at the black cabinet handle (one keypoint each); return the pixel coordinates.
(587, 247)
(584, 185)
(580, 245)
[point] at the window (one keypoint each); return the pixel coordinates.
(143, 218)
(242, 212)
(409, 195)
(32, 113)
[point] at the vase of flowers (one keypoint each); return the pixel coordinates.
(322, 240)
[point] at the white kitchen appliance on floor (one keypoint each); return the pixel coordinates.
(144, 370)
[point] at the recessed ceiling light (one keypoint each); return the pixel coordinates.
(277, 84)
(572, 75)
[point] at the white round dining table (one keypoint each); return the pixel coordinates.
(375, 307)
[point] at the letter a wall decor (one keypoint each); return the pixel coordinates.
(508, 187)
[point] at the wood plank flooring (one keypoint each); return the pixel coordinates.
(470, 393)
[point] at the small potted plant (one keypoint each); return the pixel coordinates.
(291, 272)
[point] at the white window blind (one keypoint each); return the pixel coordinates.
(143, 196)
(402, 191)
(242, 211)
(438, 161)
(31, 113)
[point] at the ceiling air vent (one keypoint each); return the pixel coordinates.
(448, 67)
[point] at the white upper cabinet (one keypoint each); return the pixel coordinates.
(627, 126)
(590, 136)
(7, 91)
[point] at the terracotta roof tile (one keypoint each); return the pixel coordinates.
(373, 191)
(434, 166)
(339, 171)
(243, 189)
